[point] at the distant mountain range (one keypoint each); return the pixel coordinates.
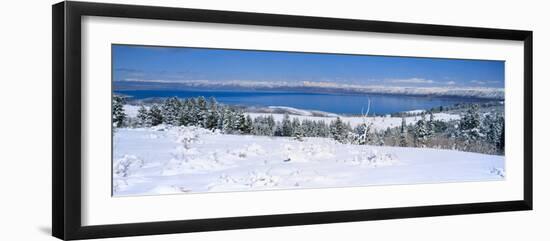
(313, 87)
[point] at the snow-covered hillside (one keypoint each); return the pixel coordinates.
(378, 122)
(162, 160)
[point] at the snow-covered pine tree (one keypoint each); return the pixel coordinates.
(421, 132)
(202, 115)
(295, 124)
(322, 129)
(155, 115)
(338, 130)
(492, 129)
(298, 133)
(403, 133)
(228, 121)
(212, 115)
(286, 126)
(193, 112)
(248, 125)
(221, 116)
(500, 144)
(184, 115)
(170, 110)
(143, 116)
(431, 124)
(118, 111)
(379, 138)
(470, 124)
(308, 128)
(271, 125)
(239, 122)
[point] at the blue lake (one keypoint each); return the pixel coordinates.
(334, 103)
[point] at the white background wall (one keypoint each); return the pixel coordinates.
(25, 120)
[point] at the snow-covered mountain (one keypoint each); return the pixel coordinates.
(314, 86)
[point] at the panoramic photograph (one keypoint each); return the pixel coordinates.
(201, 120)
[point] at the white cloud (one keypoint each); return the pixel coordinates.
(483, 82)
(412, 81)
(450, 83)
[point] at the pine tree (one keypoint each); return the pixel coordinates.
(493, 129)
(298, 133)
(421, 132)
(431, 124)
(239, 122)
(193, 112)
(470, 124)
(143, 116)
(228, 121)
(500, 144)
(184, 117)
(221, 117)
(403, 133)
(202, 112)
(170, 110)
(286, 126)
(338, 130)
(155, 115)
(213, 115)
(118, 111)
(270, 131)
(248, 125)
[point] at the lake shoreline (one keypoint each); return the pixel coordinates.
(341, 104)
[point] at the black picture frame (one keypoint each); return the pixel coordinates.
(66, 127)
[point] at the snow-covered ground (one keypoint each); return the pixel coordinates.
(163, 160)
(296, 111)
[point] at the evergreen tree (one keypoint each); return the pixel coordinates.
(421, 132)
(118, 111)
(170, 111)
(213, 115)
(431, 124)
(470, 124)
(403, 133)
(338, 130)
(202, 112)
(185, 118)
(248, 125)
(321, 129)
(286, 126)
(500, 144)
(193, 112)
(239, 122)
(270, 131)
(298, 133)
(228, 121)
(492, 129)
(155, 115)
(143, 116)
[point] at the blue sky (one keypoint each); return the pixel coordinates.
(180, 64)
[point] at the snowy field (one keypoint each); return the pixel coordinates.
(166, 160)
